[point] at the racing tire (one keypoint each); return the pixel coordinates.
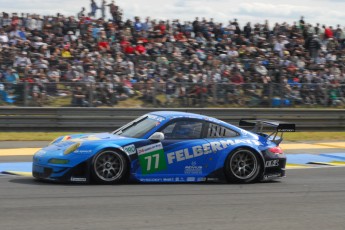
(243, 166)
(109, 167)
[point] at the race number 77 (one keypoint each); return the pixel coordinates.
(149, 161)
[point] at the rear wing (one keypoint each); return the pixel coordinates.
(275, 127)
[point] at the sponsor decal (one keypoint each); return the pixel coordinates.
(166, 179)
(83, 151)
(152, 158)
(208, 148)
(130, 149)
(151, 179)
(201, 179)
(77, 179)
(190, 179)
(286, 130)
(193, 169)
(273, 163)
(272, 176)
(157, 118)
(149, 148)
(212, 179)
(179, 179)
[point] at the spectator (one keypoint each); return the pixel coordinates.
(114, 11)
(103, 8)
(79, 97)
(115, 59)
(314, 48)
(94, 8)
(81, 14)
(22, 61)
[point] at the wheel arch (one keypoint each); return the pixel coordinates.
(258, 153)
(120, 151)
(261, 157)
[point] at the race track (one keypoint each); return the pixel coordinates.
(311, 198)
(307, 198)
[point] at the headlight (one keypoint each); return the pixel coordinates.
(72, 148)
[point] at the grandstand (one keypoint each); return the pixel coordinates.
(86, 61)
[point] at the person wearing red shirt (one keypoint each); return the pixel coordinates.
(140, 49)
(179, 36)
(162, 27)
(126, 46)
(236, 78)
(103, 45)
(328, 32)
(129, 49)
(124, 43)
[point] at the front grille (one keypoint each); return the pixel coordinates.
(45, 174)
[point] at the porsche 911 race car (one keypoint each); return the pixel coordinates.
(167, 147)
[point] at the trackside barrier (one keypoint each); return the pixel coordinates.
(108, 119)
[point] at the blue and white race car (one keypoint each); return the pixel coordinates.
(167, 147)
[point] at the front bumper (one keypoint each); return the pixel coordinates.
(79, 173)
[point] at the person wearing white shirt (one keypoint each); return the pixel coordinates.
(232, 53)
(3, 37)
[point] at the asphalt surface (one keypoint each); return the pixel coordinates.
(23, 144)
(306, 199)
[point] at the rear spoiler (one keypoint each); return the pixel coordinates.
(258, 126)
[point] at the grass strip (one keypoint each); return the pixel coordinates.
(49, 136)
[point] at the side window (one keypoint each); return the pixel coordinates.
(183, 130)
(218, 131)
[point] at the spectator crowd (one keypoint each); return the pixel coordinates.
(100, 61)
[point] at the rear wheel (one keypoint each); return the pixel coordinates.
(242, 166)
(109, 167)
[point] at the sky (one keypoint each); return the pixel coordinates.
(328, 12)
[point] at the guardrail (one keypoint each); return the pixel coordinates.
(173, 94)
(108, 119)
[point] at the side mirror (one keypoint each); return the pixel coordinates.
(157, 136)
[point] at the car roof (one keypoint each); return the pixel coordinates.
(177, 114)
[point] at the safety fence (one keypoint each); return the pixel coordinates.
(108, 119)
(172, 94)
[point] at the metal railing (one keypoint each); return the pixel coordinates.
(108, 119)
(172, 94)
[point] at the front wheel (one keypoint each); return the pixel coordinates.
(242, 166)
(109, 167)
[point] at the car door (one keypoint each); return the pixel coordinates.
(183, 147)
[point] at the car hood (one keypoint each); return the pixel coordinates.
(83, 137)
(85, 144)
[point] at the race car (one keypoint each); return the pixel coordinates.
(167, 147)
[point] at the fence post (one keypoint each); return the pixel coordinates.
(326, 95)
(270, 94)
(154, 93)
(25, 95)
(203, 95)
(214, 93)
(91, 94)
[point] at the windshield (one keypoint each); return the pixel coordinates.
(138, 127)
